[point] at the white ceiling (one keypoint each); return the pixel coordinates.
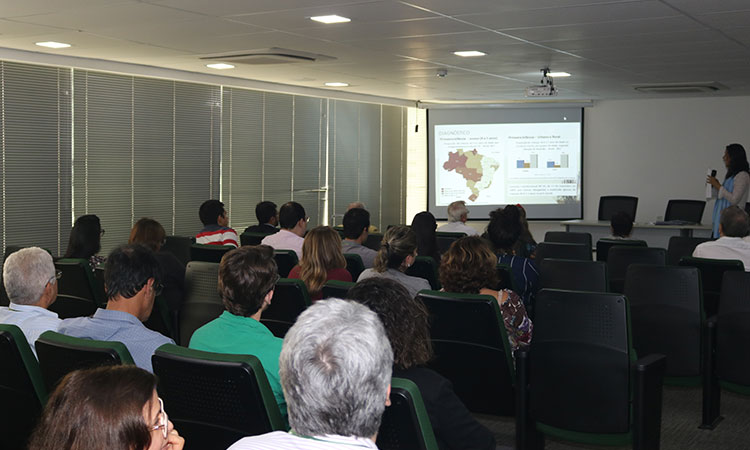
(393, 48)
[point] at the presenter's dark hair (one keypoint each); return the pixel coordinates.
(210, 211)
(356, 220)
(264, 211)
(291, 213)
(100, 408)
(504, 228)
(246, 275)
(621, 223)
(734, 222)
(424, 226)
(737, 160)
(128, 269)
(85, 237)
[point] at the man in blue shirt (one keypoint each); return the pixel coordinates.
(131, 276)
(30, 280)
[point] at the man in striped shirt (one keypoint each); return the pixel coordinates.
(215, 230)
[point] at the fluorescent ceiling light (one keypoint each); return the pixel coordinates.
(220, 66)
(330, 19)
(468, 53)
(337, 84)
(52, 44)
(558, 74)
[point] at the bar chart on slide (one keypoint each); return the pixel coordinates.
(561, 164)
(532, 164)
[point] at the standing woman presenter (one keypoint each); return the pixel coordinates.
(736, 184)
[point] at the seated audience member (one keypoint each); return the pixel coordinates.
(424, 226)
(734, 225)
(356, 225)
(397, 253)
(85, 240)
(247, 277)
(621, 225)
(268, 218)
(526, 244)
(458, 213)
(336, 374)
(469, 267)
(30, 280)
(151, 234)
(360, 205)
(504, 231)
(132, 281)
(106, 408)
(216, 229)
(293, 221)
(407, 326)
(322, 260)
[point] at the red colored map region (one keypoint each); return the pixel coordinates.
(455, 161)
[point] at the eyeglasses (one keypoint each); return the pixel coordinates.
(58, 275)
(307, 219)
(158, 288)
(163, 421)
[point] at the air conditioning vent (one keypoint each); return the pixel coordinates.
(273, 55)
(701, 87)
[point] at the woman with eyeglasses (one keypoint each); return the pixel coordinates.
(107, 408)
(85, 240)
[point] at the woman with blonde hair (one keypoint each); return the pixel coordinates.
(322, 260)
(398, 250)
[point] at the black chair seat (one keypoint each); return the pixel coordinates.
(209, 253)
(285, 261)
(336, 289)
(202, 301)
(573, 275)
(290, 298)
(712, 273)
(67, 306)
(405, 424)
(611, 204)
(354, 265)
(561, 250)
(425, 267)
(603, 246)
(682, 246)
(685, 210)
(620, 257)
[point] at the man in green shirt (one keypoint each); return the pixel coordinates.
(247, 277)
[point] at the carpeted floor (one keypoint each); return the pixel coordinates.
(680, 419)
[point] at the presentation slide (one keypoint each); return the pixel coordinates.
(492, 163)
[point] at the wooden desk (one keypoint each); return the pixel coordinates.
(655, 235)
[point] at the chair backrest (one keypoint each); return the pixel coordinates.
(160, 319)
(78, 280)
(215, 399)
(208, 252)
(733, 331)
(202, 301)
(561, 250)
(682, 246)
(469, 338)
(568, 237)
(687, 210)
(354, 264)
(425, 267)
(579, 361)
(611, 204)
(290, 298)
(373, 241)
(573, 275)
(620, 257)
(67, 306)
(248, 238)
(22, 389)
(336, 289)
(712, 273)
(405, 424)
(445, 239)
(285, 261)
(505, 278)
(603, 246)
(179, 246)
(60, 354)
(666, 311)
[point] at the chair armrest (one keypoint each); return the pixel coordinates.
(647, 401)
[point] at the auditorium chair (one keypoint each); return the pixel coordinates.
(22, 390)
(573, 275)
(202, 300)
(505, 278)
(209, 253)
(290, 298)
(67, 306)
(405, 424)
(712, 272)
(179, 246)
(569, 237)
(285, 261)
(561, 250)
(620, 257)
(425, 267)
(603, 246)
(354, 265)
(611, 204)
(373, 241)
(685, 210)
(682, 246)
(215, 399)
(336, 289)
(78, 280)
(445, 239)
(579, 380)
(248, 238)
(472, 350)
(60, 354)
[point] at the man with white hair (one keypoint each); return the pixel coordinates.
(30, 280)
(457, 215)
(335, 369)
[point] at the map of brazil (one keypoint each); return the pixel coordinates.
(477, 169)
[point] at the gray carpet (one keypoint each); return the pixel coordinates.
(680, 419)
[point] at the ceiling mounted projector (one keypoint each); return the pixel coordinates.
(546, 88)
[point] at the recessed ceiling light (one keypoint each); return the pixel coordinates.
(52, 44)
(331, 19)
(337, 84)
(220, 66)
(558, 74)
(468, 53)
